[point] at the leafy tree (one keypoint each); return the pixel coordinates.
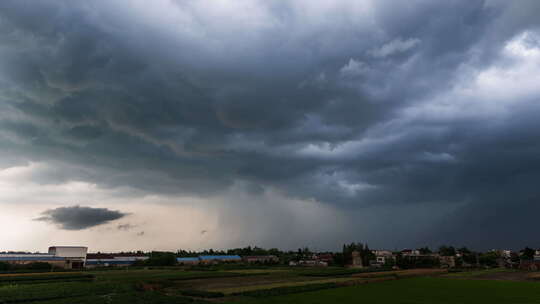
(447, 251)
(514, 257)
(464, 250)
(158, 258)
(338, 259)
(425, 250)
(4, 266)
(527, 253)
(365, 253)
(489, 258)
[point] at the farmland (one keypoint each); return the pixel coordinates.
(270, 285)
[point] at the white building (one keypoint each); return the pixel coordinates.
(59, 256)
(75, 256)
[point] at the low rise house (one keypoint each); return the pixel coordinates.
(309, 263)
(68, 257)
(325, 257)
(356, 260)
(260, 259)
(383, 257)
(75, 256)
(113, 260)
(447, 261)
(410, 252)
(530, 264)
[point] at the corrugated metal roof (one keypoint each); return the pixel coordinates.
(109, 262)
(220, 257)
(32, 258)
(192, 259)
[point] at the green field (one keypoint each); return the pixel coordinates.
(279, 285)
(418, 291)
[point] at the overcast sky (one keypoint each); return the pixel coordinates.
(193, 124)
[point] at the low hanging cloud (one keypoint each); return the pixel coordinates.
(78, 217)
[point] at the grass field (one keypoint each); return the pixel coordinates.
(267, 285)
(417, 291)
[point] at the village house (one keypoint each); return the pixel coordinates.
(262, 259)
(382, 257)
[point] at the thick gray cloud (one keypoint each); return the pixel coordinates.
(80, 217)
(355, 104)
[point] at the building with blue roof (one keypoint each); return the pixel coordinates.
(28, 258)
(188, 261)
(209, 259)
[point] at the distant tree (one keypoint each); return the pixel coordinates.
(274, 251)
(464, 250)
(514, 257)
(338, 259)
(447, 251)
(4, 266)
(158, 258)
(527, 253)
(365, 253)
(489, 258)
(424, 250)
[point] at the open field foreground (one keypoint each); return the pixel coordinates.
(280, 285)
(420, 291)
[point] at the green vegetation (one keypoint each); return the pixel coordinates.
(417, 291)
(45, 277)
(267, 285)
(31, 267)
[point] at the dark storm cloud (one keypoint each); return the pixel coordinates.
(80, 217)
(316, 109)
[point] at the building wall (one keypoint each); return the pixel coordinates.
(55, 263)
(69, 252)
